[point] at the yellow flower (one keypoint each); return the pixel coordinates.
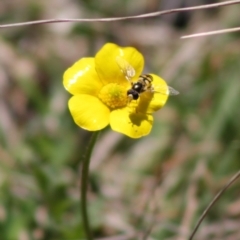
(99, 87)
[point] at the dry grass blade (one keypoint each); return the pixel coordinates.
(229, 30)
(147, 15)
(232, 180)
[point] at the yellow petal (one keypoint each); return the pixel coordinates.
(134, 125)
(89, 112)
(151, 102)
(108, 68)
(81, 78)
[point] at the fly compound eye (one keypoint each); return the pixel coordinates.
(132, 94)
(138, 87)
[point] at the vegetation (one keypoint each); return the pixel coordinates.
(156, 186)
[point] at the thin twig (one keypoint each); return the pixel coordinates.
(232, 180)
(147, 15)
(212, 33)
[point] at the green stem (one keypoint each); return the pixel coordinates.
(84, 184)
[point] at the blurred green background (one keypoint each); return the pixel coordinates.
(161, 182)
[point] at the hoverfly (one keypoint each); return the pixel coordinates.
(144, 82)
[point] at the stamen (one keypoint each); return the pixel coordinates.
(114, 95)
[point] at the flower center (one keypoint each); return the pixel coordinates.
(113, 95)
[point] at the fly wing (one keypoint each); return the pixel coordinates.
(172, 91)
(126, 68)
(166, 90)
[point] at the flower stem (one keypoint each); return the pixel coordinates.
(84, 184)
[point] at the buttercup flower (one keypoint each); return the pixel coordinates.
(100, 88)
